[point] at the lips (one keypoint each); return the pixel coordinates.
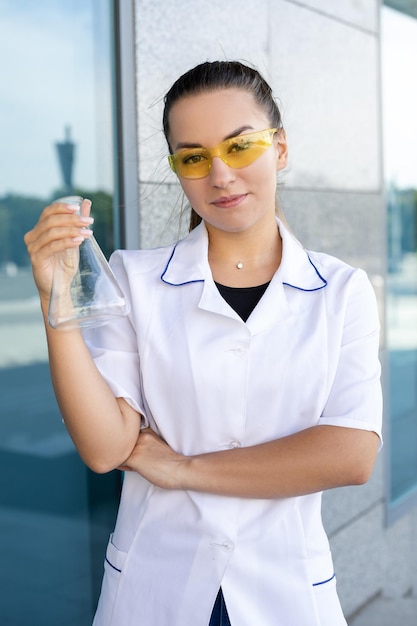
(226, 202)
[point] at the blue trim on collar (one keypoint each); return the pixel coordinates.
(283, 282)
(188, 282)
(318, 274)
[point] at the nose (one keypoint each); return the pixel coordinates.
(220, 173)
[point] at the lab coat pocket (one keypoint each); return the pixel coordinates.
(327, 603)
(115, 558)
(113, 567)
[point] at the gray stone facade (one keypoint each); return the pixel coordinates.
(322, 59)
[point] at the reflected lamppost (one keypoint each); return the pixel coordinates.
(66, 153)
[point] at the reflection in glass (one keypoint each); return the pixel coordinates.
(57, 132)
(399, 45)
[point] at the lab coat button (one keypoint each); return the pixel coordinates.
(227, 546)
(238, 350)
(235, 444)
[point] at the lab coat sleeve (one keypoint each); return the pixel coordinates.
(114, 348)
(355, 396)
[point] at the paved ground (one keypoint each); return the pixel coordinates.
(388, 612)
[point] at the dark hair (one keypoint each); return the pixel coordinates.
(214, 75)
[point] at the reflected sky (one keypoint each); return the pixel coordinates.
(54, 73)
(399, 50)
(399, 97)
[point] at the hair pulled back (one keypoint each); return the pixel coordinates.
(210, 76)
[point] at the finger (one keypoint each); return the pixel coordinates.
(85, 207)
(77, 214)
(46, 220)
(64, 210)
(49, 241)
(57, 225)
(60, 207)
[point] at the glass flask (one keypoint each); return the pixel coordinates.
(85, 292)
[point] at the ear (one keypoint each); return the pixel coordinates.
(282, 149)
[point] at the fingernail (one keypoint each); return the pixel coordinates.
(87, 232)
(77, 239)
(87, 220)
(72, 207)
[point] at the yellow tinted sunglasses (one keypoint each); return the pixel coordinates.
(236, 152)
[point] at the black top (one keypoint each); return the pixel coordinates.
(242, 299)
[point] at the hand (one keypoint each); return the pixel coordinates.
(156, 461)
(59, 228)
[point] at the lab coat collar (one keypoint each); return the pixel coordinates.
(188, 262)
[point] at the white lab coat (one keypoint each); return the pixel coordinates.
(207, 381)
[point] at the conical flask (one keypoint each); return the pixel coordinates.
(85, 292)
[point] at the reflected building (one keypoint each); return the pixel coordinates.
(66, 154)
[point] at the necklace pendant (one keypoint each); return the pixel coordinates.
(239, 265)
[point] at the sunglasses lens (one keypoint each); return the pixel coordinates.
(244, 150)
(192, 163)
(236, 152)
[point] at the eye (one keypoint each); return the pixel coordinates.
(193, 158)
(240, 146)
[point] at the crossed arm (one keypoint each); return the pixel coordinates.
(318, 458)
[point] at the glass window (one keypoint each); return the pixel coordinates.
(57, 133)
(399, 49)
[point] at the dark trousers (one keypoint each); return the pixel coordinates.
(219, 616)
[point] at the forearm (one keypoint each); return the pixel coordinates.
(319, 458)
(102, 430)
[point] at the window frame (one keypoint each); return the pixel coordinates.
(401, 506)
(126, 218)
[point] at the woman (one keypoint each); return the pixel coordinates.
(243, 383)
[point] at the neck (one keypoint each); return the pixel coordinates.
(246, 258)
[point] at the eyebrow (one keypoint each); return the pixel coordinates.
(183, 144)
